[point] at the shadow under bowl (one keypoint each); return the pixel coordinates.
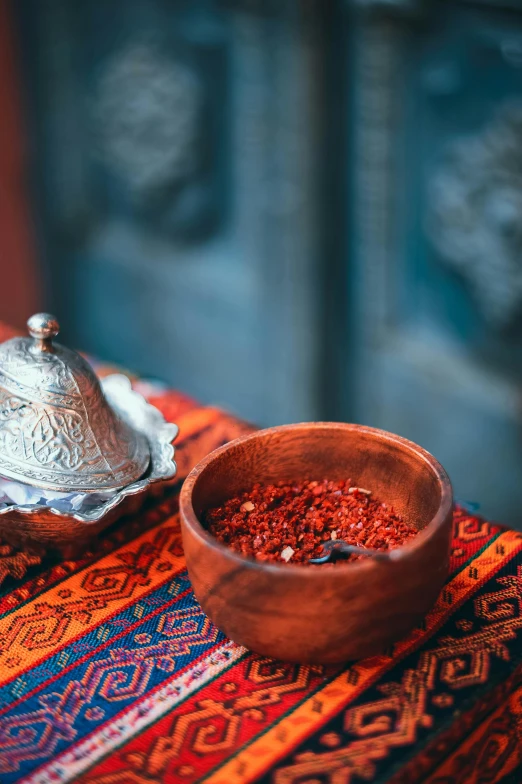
(314, 614)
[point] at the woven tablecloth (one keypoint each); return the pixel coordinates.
(111, 674)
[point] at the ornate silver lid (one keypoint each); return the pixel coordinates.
(57, 430)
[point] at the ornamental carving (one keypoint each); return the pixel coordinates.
(475, 222)
(147, 110)
(56, 426)
(39, 436)
(58, 445)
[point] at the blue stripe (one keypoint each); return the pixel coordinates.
(110, 680)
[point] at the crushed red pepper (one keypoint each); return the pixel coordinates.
(289, 522)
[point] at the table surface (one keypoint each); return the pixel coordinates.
(111, 674)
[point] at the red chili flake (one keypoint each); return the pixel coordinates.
(289, 522)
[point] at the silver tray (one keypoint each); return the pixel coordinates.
(46, 528)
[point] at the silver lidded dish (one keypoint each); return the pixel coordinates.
(65, 434)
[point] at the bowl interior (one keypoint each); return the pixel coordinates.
(395, 470)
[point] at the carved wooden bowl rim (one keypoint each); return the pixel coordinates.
(403, 552)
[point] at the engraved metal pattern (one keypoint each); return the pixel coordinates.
(139, 415)
(57, 429)
(475, 207)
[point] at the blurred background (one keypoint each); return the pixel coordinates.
(297, 209)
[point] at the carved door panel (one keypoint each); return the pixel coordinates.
(437, 251)
(176, 142)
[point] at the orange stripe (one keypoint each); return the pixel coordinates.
(89, 597)
(198, 418)
(310, 715)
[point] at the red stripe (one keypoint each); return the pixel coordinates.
(253, 716)
(149, 694)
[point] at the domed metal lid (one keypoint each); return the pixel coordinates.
(57, 430)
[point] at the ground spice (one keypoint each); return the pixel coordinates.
(290, 521)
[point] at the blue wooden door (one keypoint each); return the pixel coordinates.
(436, 210)
(299, 210)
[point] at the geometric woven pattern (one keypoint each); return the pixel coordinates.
(111, 674)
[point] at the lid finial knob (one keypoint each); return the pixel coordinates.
(43, 328)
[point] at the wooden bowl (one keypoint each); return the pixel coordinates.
(314, 614)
